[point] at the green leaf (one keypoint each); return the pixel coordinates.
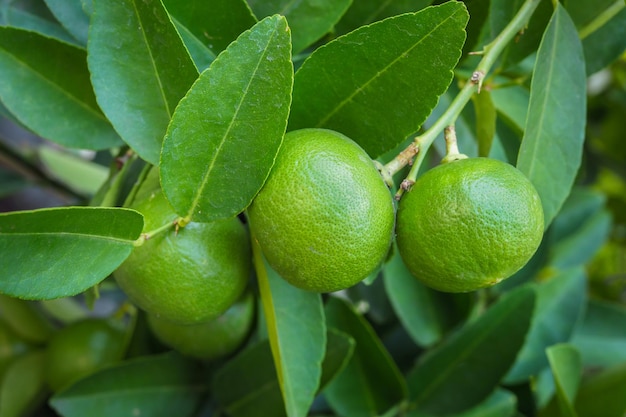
(22, 387)
(14, 16)
(298, 341)
(567, 371)
(579, 230)
(63, 251)
(225, 134)
(72, 16)
(339, 350)
(485, 121)
(256, 394)
(420, 309)
(45, 84)
(214, 23)
(309, 20)
(370, 384)
(259, 393)
(560, 305)
(470, 364)
(77, 173)
(551, 150)
(512, 105)
(606, 44)
(528, 41)
(365, 12)
(583, 12)
(601, 337)
(164, 385)
(140, 70)
(201, 55)
(500, 403)
(378, 84)
(602, 395)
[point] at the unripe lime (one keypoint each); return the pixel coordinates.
(212, 339)
(190, 275)
(80, 349)
(469, 224)
(324, 219)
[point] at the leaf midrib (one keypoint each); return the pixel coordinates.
(73, 234)
(207, 175)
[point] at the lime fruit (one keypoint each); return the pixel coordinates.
(324, 218)
(469, 224)
(190, 275)
(80, 349)
(212, 339)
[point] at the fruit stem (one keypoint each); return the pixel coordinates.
(452, 148)
(490, 54)
(152, 233)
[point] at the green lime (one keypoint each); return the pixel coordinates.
(469, 224)
(324, 219)
(80, 349)
(190, 275)
(212, 339)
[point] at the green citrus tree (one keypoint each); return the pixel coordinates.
(315, 208)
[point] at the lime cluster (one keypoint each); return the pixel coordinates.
(324, 220)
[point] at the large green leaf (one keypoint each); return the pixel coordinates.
(72, 16)
(63, 251)
(258, 394)
(605, 44)
(224, 136)
(378, 84)
(500, 403)
(469, 365)
(298, 341)
(560, 305)
(365, 12)
(511, 102)
(214, 23)
(165, 385)
(420, 309)
(579, 230)
(140, 70)
(45, 84)
(370, 384)
(308, 20)
(551, 150)
(11, 14)
(601, 337)
(602, 395)
(567, 372)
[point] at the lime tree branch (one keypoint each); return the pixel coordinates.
(490, 54)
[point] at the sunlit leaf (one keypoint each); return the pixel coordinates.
(224, 136)
(378, 83)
